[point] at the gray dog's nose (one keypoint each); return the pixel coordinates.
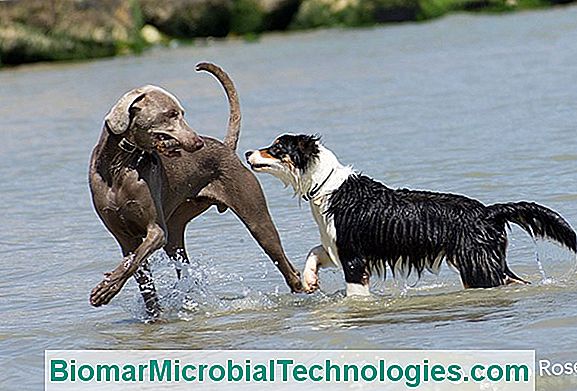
(247, 154)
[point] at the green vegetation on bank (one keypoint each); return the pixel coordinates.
(51, 30)
(430, 9)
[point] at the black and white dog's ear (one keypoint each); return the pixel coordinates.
(118, 118)
(306, 151)
(308, 144)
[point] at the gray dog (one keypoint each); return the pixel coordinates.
(150, 174)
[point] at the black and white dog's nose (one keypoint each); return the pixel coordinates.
(247, 154)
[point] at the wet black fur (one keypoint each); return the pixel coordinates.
(302, 149)
(410, 229)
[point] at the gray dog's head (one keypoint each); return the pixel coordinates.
(151, 118)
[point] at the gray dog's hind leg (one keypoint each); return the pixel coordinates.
(248, 203)
(143, 277)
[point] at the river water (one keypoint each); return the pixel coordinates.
(482, 105)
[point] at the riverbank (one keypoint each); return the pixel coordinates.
(54, 30)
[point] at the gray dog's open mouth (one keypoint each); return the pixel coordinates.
(166, 145)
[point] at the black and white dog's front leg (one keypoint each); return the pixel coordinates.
(357, 283)
(356, 276)
(317, 258)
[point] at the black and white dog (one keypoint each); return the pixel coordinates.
(365, 225)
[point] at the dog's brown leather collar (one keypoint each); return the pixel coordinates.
(127, 146)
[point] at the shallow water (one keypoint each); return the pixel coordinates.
(480, 105)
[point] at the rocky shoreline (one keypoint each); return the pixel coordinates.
(53, 30)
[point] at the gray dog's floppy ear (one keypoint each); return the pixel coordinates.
(118, 118)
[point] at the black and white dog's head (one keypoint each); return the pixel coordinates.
(288, 152)
(294, 159)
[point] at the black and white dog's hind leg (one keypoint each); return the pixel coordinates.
(356, 275)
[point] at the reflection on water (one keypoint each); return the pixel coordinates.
(479, 105)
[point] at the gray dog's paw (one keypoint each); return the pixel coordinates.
(106, 289)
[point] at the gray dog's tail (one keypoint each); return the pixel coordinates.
(537, 220)
(232, 134)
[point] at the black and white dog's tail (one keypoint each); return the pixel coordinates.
(537, 220)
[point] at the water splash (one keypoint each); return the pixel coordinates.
(203, 290)
(402, 286)
(544, 279)
(547, 252)
(180, 298)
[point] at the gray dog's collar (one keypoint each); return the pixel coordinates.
(127, 146)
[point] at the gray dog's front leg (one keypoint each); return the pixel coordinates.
(176, 226)
(114, 281)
